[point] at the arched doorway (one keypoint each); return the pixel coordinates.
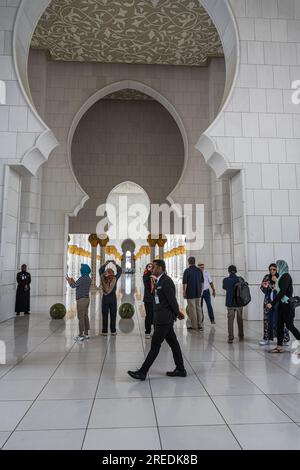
(128, 261)
(69, 202)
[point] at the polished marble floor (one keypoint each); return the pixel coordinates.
(57, 394)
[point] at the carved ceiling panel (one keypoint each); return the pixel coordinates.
(128, 31)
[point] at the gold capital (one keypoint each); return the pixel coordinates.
(103, 240)
(93, 239)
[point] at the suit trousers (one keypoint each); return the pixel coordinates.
(83, 315)
(161, 333)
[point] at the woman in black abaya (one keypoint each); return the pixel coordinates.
(23, 291)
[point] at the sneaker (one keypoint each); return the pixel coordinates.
(114, 333)
(86, 336)
(213, 322)
(230, 341)
(147, 336)
(78, 338)
(286, 340)
(264, 342)
(104, 334)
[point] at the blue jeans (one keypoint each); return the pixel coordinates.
(207, 298)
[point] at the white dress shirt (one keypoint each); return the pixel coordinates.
(207, 280)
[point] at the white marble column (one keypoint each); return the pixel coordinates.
(93, 239)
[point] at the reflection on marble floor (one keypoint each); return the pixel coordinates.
(57, 394)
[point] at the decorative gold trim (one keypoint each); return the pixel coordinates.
(179, 250)
(144, 250)
(77, 250)
(112, 250)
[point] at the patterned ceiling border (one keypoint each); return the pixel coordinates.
(130, 31)
(128, 95)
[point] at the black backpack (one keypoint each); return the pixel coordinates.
(242, 294)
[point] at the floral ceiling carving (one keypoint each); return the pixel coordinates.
(128, 95)
(128, 31)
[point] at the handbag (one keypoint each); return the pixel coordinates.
(294, 302)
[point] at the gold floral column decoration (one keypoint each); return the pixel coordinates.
(161, 241)
(102, 241)
(152, 240)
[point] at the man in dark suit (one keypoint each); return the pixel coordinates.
(166, 310)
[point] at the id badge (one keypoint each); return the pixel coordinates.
(156, 299)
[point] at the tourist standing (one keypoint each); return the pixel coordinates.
(82, 286)
(109, 298)
(232, 308)
(270, 318)
(192, 289)
(286, 314)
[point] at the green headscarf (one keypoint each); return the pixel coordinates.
(282, 268)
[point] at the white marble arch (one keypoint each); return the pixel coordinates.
(220, 11)
(27, 18)
(113, 88)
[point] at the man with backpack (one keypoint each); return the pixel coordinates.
(237, 296)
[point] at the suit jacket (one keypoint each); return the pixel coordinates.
(167, 310)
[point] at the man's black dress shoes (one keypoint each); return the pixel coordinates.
(137, 375)
(177, 373)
